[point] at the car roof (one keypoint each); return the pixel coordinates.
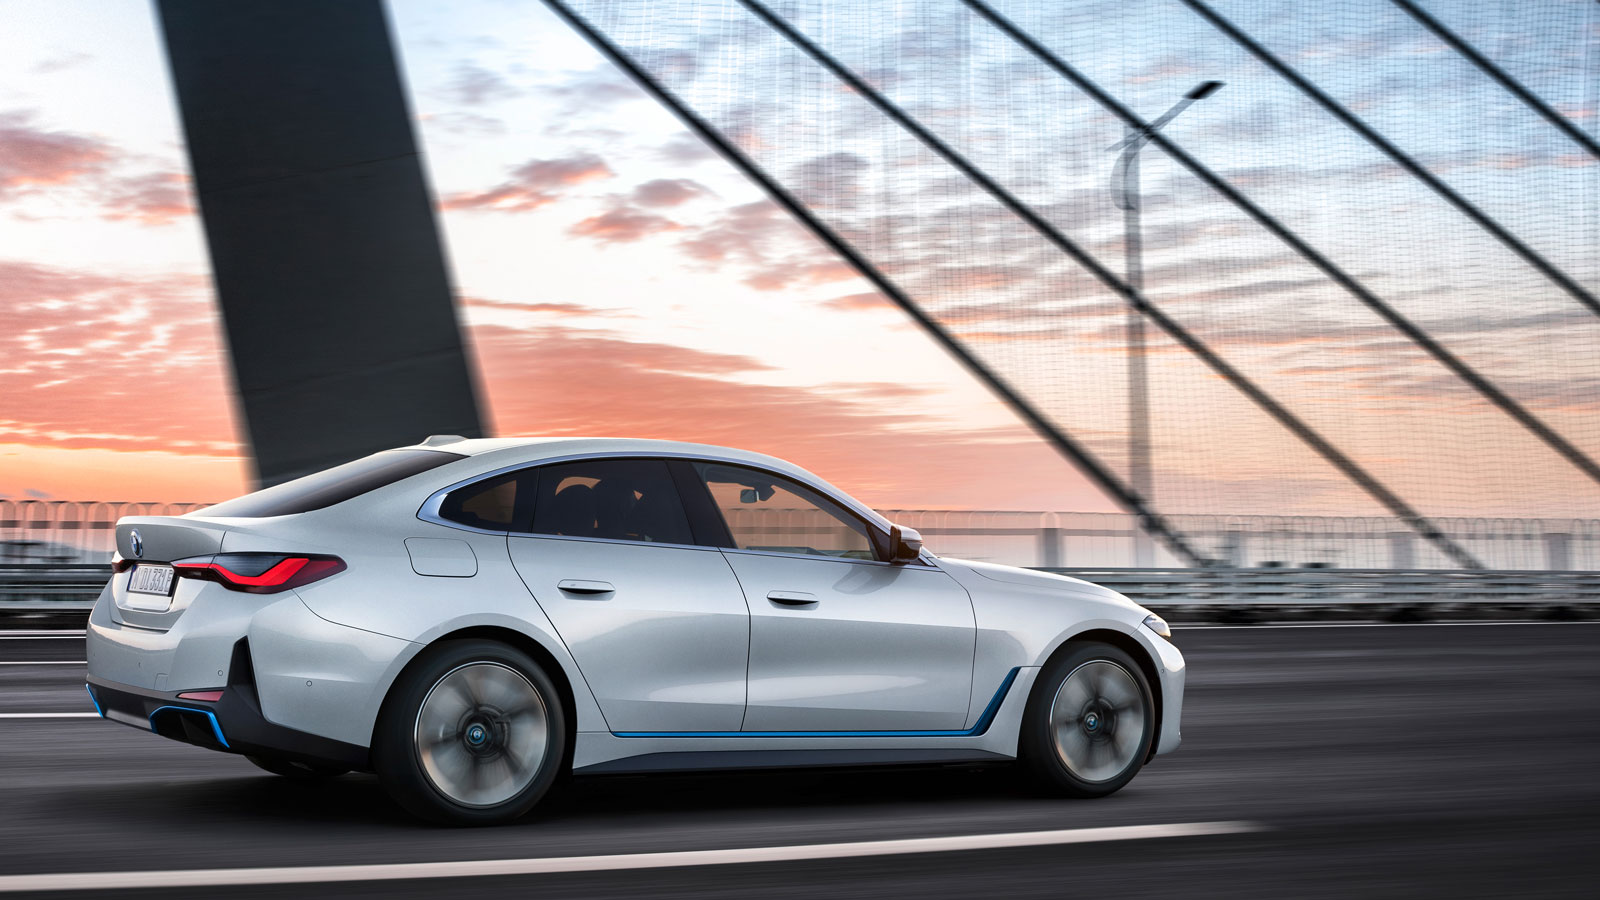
(511, 451)
(548, 447)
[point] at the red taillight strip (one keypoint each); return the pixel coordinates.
(281, 572)
(289, 572)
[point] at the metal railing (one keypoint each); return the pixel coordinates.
(57, 532)
(1106, 540)
(67, 587)
(1345, 587)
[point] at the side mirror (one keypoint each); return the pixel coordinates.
(905, 544)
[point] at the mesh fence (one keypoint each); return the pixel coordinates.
(1038, 320)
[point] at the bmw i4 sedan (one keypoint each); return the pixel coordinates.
(473, 619)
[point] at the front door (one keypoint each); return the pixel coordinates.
(658, 627)
(839, 640)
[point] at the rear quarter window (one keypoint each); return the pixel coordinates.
(336, 485)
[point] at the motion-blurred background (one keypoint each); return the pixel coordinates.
(1390, 167)
(1260, 312)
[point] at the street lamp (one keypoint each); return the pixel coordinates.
(1125, 193)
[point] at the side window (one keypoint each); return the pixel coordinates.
(768, 512)
(492, 504)
(618, 499)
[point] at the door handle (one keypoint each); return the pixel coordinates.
(579, 586)
(792, 598)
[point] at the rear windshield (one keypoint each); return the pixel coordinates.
(331, 486)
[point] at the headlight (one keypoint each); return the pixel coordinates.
(1158, 625)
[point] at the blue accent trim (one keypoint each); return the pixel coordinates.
(981, 726)
(215, 728)
(95, 700)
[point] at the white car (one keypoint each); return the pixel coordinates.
(471, 619)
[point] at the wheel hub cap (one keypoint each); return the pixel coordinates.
(1097, 720)
(481, 735)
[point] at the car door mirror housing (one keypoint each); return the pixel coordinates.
(905, 544)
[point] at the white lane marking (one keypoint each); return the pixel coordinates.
(44, 662)
(181, 878)
(40, 635)
(50, 715)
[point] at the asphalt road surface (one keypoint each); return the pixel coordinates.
(1404, 761)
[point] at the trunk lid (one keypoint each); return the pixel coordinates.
(157, 541)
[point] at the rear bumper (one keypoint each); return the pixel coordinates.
(233, 724)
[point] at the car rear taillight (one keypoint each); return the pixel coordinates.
(260, 573)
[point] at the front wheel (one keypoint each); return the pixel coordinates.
(474, 733)
(1090, 722)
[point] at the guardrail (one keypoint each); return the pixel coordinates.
(1344, 587)
(75, 587)
(53, 532)
(50, 585)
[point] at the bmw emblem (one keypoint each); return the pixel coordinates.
(136, 543)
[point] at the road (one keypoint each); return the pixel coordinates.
(1449, 760)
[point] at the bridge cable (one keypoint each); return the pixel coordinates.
(1512, 85)
(1103, 478)
(1417, 335)
(1484, 220)
(1239, 380)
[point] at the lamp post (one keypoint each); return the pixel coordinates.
(1125, 193)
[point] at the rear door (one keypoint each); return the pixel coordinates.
(658, 625)
(839, 640)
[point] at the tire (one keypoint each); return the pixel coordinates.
(294, 769)
(472, 733)
(1090, 722)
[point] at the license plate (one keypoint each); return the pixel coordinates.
(151, 580)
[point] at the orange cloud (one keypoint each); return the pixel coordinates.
(533, 184)
(159, 198)
(32, 157)
(623, 225)
(562, 381)
(90, 360)
(668, 192)
(870, 300)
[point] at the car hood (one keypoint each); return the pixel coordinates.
(1042, 580)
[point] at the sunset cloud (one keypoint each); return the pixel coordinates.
(763, 242)
(159, 198)
(94, 360)
(668, 192)
(623, 225)
(474, 85)
(685, 149)
(533, 184)
(32, 157)
(550, 307)
(563, 381)
(868, 300)
(594, 90)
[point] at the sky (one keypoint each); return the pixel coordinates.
(720, 320)
(583, 222)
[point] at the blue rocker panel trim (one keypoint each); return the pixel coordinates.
(979, 727)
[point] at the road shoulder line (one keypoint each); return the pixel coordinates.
(187, 878)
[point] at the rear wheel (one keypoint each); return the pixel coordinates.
(472, 734)
(299, 771)
(1090, 722)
